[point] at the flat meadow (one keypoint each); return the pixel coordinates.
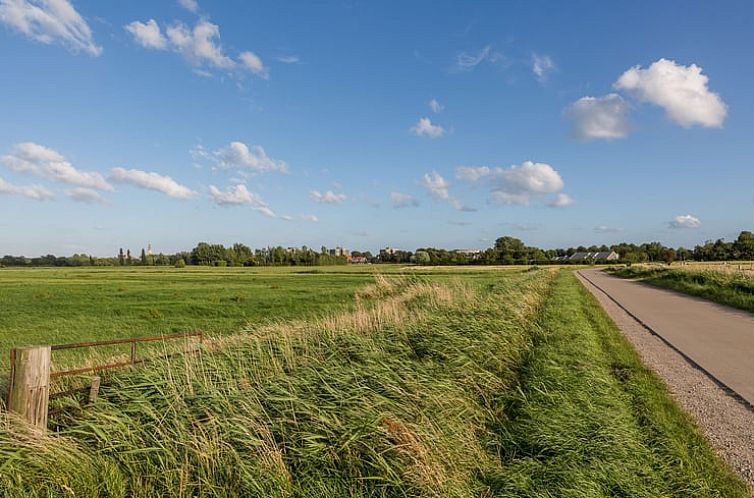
(351, 381)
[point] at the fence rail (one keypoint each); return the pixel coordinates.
(133, 360)
(30, 375)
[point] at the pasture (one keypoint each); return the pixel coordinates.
(340, 382)
(50, 305)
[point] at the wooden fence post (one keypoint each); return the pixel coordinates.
(94, 389)
(29, 390)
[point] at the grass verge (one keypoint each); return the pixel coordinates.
(731, 289)
(589, 420)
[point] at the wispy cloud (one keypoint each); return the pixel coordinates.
(399, 200)
(240, 155)
(542, 66)
(328, 197)
(288, 59)
(435, 106)
(190, 5)
(147, 34)
(36, 192)
(199, 45)
(239, 195)
(32, 158)
(438, 188)
(151, 181)
(50, 21)
(85, 195)
(606, 229)
(425, 128)
(468, 61)
(253, 63)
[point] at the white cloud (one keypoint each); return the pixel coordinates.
(36, 159)
(236, 196)
(266, 211)
(86, 195)
(561, 200)
(151, 181)
(239, 195)
(240, 155)
(541, 66)
(435, 106)
(438, 188)
(200, 45)
(310, 217)
(606, 229)
(472, 174)
(399, 200)
(253, 63)
(49, 21)
(65, 172)
(36, 192)
(29, 157)
(147, 34)
(519, 183)
(468, 61)
(190, 5)
(599, 117)
(685, 221)
(328, 197)
(425, 128)
(681, 90)
(288, 59)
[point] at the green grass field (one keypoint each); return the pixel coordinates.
(424, 382)
(49, 306)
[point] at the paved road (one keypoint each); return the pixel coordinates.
(719, 339)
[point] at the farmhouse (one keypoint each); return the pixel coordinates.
(473, 254)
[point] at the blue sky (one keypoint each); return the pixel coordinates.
(372, 124)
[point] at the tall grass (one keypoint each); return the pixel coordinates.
(384, 400)
(423, 388)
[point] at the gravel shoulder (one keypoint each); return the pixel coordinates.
(725, 420)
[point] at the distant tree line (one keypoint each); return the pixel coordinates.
(203, 254)
(506, 251)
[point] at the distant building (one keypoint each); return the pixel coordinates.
(391, 250)
(581, 257)
(358, 260)
(340, 251)
(471, 253)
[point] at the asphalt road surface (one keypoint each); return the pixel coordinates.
(718, 339)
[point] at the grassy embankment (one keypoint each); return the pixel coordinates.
(511, 385)
(729, 288)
